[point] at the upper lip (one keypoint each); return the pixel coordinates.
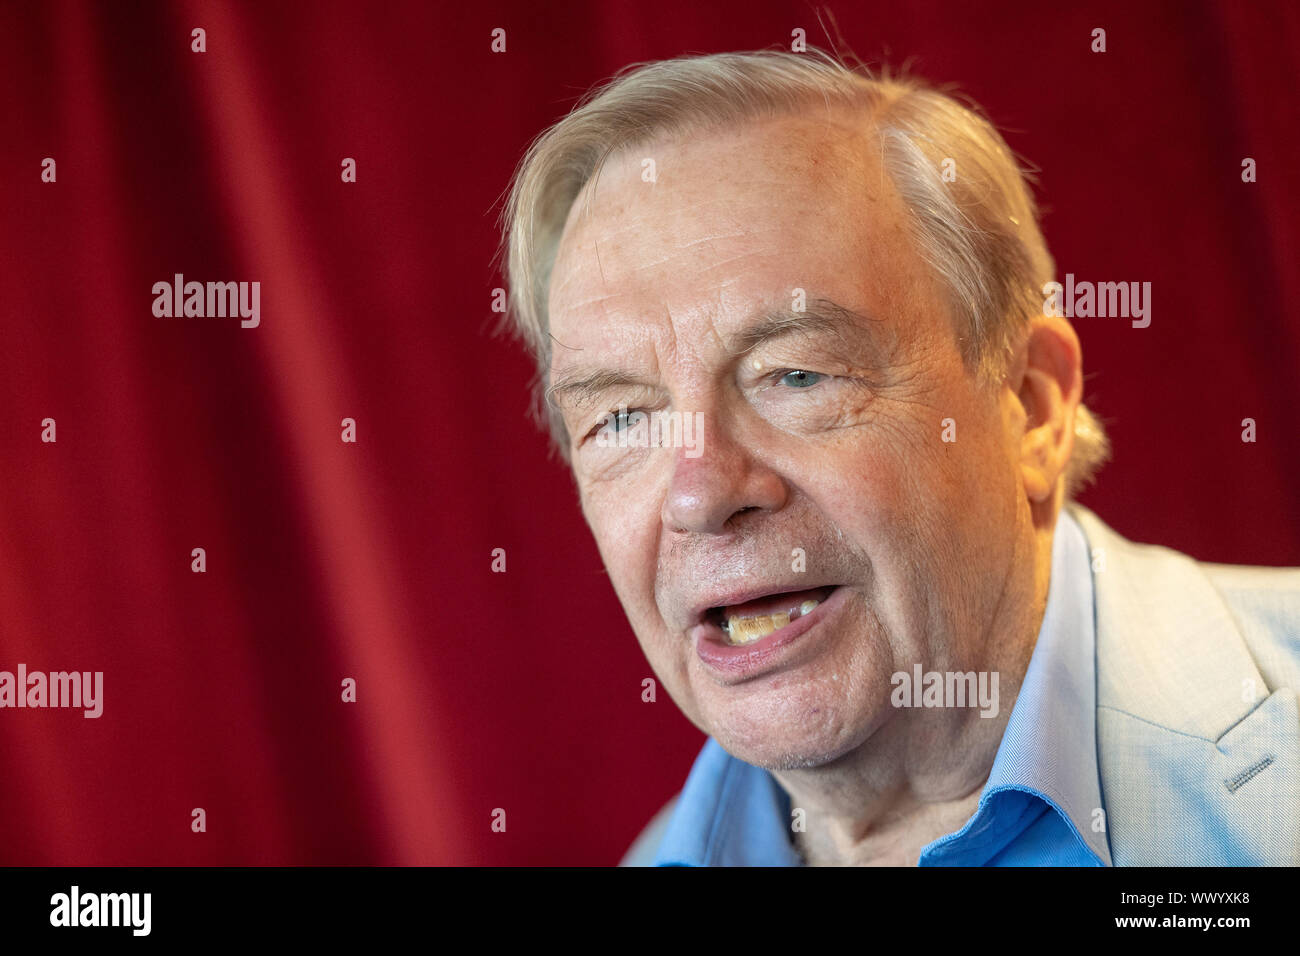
(740, 595)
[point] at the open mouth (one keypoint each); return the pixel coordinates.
(754, 620)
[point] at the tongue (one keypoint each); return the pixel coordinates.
(775, 603)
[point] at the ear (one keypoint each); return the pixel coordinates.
(1049, 388)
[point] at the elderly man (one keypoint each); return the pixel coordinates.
(792, 339)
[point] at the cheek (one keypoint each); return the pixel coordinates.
(918, 493)
(625, 526)
(980, 474)
(953, 451)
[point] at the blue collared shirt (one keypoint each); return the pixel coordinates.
(1041, 804)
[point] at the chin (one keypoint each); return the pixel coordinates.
(784, 755)
(788, 735)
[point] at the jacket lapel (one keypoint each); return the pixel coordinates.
(1199, 759)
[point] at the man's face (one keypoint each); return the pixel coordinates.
(823, 474)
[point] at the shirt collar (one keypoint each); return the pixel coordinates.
(729, 814)
(733, 814)
(1049, 748)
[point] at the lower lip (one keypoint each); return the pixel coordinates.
(737, 662)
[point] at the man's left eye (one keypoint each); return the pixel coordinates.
(799, 378)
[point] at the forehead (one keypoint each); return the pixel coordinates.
(683, 237)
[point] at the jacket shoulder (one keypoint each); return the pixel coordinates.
(1273, 588)
(1265, 603)
(644, 848)
(1178, 638)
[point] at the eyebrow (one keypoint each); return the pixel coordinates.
(822, 317)
(588, 385)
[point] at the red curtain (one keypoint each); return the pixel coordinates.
(479, 691)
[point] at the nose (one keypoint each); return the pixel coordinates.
(719, 483)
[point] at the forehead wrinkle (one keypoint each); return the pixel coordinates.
(601, 299)
(730, 259)
(629, 220)
(626, 215)
(723, 235)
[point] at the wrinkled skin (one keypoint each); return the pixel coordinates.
(942, 547)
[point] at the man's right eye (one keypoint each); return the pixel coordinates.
(617, 420)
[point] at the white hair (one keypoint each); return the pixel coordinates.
(977, 230)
